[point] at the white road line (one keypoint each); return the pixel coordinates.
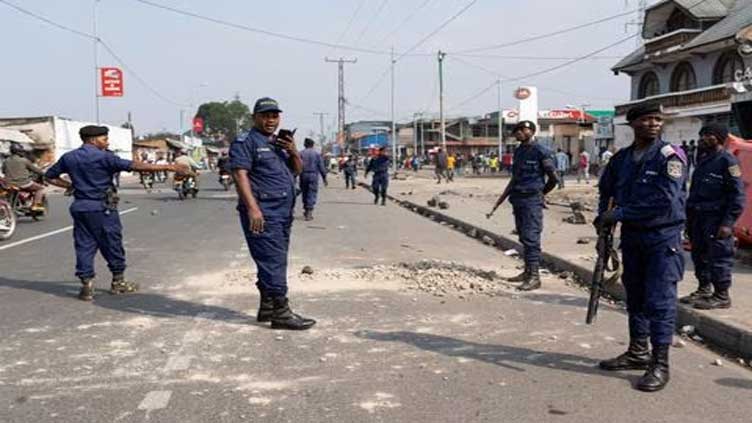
(49, 234)
(155, 400)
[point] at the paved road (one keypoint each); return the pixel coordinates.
(186, 347)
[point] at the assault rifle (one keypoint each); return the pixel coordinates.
(607, 260)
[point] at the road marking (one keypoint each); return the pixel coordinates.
(49, 234)
(155, 400)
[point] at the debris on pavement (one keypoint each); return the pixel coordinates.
(687, 330)
(433, 202)
(583, 241)
(512, 252)
(443, 205)
(718, 362)
(307, 270)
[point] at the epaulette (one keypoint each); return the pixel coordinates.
(668, 150)
(674, 150)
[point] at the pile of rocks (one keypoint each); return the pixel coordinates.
(438, 278)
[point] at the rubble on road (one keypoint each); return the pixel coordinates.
(307, 270)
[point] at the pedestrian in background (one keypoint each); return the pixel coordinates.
(351, 172)
(562, 166)
(379, 165)
(313, 166)
(584, 167)
(441, 166)
(451, 162)
(716, 200)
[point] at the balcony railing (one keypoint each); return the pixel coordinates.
(707, 95)
(672, 39)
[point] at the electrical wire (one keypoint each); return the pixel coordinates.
(351, 21)
(101, 42)
(367, 26)
(407, 19)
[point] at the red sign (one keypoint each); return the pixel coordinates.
(522, 93)
(198, 124)
(112, 82)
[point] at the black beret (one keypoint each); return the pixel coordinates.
(641, 110)
(525, 124)
(720, 131)
(93, 131)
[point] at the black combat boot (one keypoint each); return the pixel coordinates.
(522, 277)
(120, 286)
(87, 290)
(376, 200)
(266, 310)
(533, 281)
(308, 215)
(657, 375)
(383, 200)
(703, 291)
(284, 318)
(719, 299)
(637, 357)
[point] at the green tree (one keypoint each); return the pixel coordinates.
(225, 119)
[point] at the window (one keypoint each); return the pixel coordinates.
(649, 85)
(726, 67)
(683, 78)
(678, 20)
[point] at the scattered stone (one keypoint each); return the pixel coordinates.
(279, 338)
(680, 343)
(583, 241)
(488, 240)
(565, 275)
(512, 252)
(687, 330)
(443, 205)
(718, 362)
(155, 212)
(741, 361)
(473, 233)
(307, 270)
(433, 202)
(697, 338)
(322, 359)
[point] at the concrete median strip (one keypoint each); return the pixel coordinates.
(729, 336)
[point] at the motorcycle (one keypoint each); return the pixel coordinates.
(21, 202)
(7, 220)
(225, 179)
(186, 186)
(147, 180)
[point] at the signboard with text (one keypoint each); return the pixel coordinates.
(111, 80)
(198, 125)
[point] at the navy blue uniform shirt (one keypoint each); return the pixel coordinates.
(530, 164)
(717, 187)
(312, 162)
(379, 165)
(91, 171)
(272, 180)
(649, 194)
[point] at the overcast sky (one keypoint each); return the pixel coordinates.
(49, 71)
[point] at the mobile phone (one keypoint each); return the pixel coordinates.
(286, 133)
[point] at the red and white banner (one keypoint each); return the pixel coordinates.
(112, 82)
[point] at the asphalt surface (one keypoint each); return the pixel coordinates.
(186, 348)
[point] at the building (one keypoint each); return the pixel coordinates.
(54, 136)
(691, 63)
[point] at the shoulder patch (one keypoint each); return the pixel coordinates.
(668, 151)
(735, 171)
(675, 169)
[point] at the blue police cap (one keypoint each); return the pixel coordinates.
(266, 104)
(641, 110)
(525, 124)
(91, 131)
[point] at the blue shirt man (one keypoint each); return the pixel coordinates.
(716, 200)
(379, 165)
(644, 188)
(562, 166)
(313, 166)
(533, 176)
(264, 167)
(96, 222)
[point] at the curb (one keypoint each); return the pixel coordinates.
(728, 336)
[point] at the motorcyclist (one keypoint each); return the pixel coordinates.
(18, 172)
(185, 160)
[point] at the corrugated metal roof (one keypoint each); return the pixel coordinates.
(707, 9)
(14, 136)
(738, 18)
(633, 58)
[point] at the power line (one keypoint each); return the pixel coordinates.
(371, 21)
(406, 20)
(437, 30)
(262, 31)
(530, 58)
(547, 35)
(109, 49)
(351, 21)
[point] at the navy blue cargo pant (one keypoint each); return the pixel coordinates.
(380, 184)
(528, 220)
(98, 231)
(713, 258)
(309, 187)
(653, 265)
(269, 251)
(349, 179)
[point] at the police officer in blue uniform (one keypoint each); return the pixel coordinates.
(264, 167)
(379, 165)
(351, 171)
(644, 188)
(96, 222)
(313, 166)
(716, 200)
(533, 176)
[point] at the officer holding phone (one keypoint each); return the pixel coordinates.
(265, 167)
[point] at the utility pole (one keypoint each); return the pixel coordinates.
(321, 124)
(394, 124)
(96, 61)
(500, 121)
(442, 120)
(341, 97)
(415, 134)
(422, 137)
